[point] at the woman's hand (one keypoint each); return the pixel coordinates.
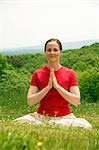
(54, 80)
(50, 83)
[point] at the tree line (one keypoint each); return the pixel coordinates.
(15, 73)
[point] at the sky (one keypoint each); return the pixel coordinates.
(26, 23)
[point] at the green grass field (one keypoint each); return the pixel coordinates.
(14, 136)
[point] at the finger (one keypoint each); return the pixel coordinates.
(51, 72)
(50, 80)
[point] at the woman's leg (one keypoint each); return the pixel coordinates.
(29, 119)
(71, 120)
(81, 122)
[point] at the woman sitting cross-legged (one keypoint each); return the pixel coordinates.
(54, 87)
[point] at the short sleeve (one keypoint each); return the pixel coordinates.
(73, 79)
(34, 81)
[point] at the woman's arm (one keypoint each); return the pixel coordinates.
(34, 96)
(72, 97)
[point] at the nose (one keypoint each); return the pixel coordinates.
(52, 52)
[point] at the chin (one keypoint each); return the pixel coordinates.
(52, 60)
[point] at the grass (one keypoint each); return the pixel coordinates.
(14, 136)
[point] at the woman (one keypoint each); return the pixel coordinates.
(54, 87)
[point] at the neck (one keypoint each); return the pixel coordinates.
(54, 65)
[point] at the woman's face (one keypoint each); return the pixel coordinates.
(53, 51)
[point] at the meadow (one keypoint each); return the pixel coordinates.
(15, 76)
(15, 136)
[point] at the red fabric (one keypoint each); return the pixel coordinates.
(53, 104)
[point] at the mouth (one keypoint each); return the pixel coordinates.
(52, 56)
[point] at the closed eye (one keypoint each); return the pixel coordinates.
(55, 50)
(49, 50)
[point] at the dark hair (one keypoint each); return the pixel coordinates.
(56, 40)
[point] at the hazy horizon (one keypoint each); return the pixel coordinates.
(39, 48)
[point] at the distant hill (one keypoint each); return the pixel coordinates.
(39, 48)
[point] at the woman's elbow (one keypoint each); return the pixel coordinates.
(77, 101)
(29, 101)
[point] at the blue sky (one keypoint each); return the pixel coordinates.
(32, 22)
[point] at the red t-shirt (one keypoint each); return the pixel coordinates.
(53, 104)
